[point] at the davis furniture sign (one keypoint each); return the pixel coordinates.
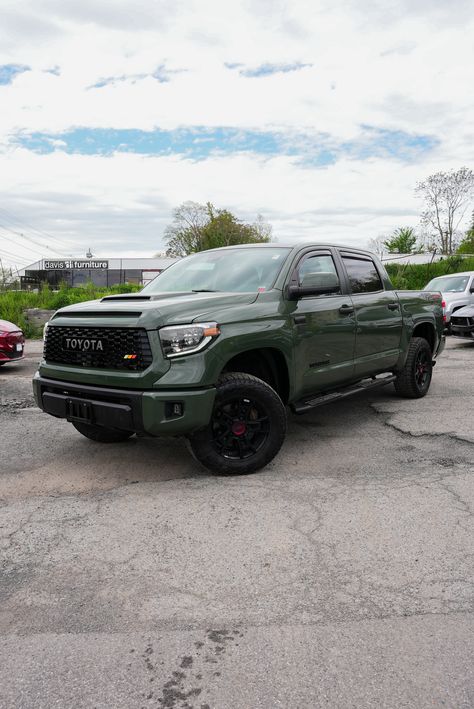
(65, 265)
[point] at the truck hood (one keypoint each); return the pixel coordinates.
(152, 311)
(466, 312)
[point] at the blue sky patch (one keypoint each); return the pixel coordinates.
(266, 69)
(9, 71)
(161, 74)
(199, 143)
(396, 144)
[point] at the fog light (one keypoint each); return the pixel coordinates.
(173, 409)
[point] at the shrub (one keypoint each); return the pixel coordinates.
(13, 303)
(416, 276)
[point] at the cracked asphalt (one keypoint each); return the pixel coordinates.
(340, 576)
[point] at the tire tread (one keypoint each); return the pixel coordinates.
(405, 384)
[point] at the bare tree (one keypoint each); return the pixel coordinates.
(263, 230)
(5, 276)
(377, 245)
(446, 196)
(183, 235)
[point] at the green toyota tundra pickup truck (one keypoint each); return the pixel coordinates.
(219, 344)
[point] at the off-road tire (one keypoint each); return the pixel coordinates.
(247, 427)
(414, 380)
(101, 434)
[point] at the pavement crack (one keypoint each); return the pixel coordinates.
(386, 416)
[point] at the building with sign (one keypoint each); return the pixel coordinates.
(101, 272)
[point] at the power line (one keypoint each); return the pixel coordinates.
(11, 218)
(33, 241)
(15, 220)
(9, 240)
(15, 256)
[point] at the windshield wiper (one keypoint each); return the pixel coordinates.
(204, 290)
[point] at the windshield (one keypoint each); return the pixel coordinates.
(235, 271)
(448, 284)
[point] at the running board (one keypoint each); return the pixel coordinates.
(304, 405)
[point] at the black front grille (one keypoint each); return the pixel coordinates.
(118, 344)
(464, 322)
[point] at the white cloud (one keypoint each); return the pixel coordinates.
(405, 66)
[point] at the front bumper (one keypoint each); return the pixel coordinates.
(464, 332)
(4, 357)
(156, 413)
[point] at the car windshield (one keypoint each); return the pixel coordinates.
(448, 284)
(234, 270)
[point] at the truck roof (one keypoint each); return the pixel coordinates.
(296, 246)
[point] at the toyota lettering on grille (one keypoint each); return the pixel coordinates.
(83, 344)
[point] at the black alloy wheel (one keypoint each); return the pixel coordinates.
(422, 368)
(240, 426)
(414, 380)
(247, 427)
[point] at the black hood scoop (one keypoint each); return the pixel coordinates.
(156, 296)
(132, 298)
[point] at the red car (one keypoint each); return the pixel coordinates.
(12, 342)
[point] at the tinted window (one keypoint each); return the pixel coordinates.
(363, 276)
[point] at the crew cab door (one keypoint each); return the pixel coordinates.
(323, 328)
(378, 316)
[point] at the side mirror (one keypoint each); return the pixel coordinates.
(471, 289)
(322, 283)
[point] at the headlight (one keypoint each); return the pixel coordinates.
(186, 339)
(45, 329)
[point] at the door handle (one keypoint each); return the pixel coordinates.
(346, 309)
(299, 319)
(393, 306)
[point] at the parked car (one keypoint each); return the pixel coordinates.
(457, 290)
(219, 343)
(12, 342)
(462, 323)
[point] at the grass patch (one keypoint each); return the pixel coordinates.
(13, 303)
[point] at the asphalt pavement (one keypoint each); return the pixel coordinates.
(340, 576)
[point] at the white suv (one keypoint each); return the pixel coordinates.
(457, 290)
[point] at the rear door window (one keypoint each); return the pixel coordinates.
(363, 275)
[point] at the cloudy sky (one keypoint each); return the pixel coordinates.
(319, 114)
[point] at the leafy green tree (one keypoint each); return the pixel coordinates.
(467, 244)
(402, 241)
(197, 227)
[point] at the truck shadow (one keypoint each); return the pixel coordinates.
(160, 460)
(55, 459)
